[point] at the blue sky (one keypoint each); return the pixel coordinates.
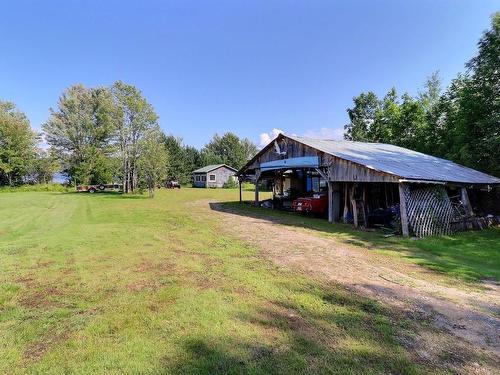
(241, 66)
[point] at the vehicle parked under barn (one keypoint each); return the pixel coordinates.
(421, 194)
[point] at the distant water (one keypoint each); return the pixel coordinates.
(59, 178)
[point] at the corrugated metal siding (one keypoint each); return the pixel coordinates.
(399, 161)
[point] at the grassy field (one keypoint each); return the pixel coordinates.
(117, 284)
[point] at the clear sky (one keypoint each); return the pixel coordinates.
(241, 66)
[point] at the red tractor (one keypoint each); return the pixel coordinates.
(315, 204)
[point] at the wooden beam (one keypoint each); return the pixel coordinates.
(402, 210)
(257, 178)
(336, 201)
(354, 212)
(239, 183)
(322, 174)
(464, 197)
(346, 202)
(330, 202)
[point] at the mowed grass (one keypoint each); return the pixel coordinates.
(111, 284)
(467, 256)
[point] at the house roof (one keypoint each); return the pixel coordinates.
(398, 161)
(210, 168)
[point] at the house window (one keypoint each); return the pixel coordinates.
(203, 178)
(211, 177)
(197, 178)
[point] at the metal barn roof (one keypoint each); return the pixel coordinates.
(210, 168)
(398, 161)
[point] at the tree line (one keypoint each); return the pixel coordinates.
(461, 124)
(105, 135)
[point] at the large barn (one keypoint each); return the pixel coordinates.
(365, 181)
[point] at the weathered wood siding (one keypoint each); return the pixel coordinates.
(222, 175)
(339, 169)
(345, 171)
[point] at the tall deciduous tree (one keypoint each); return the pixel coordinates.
(134, 116)
(44, 167)
(362, 117)
(79, 132)
(153, 159)
(17, 144)
(183, 160)
(228, 149)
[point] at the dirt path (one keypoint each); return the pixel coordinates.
(471, 315)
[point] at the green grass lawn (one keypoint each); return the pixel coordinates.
(111, 284)
(467, 256)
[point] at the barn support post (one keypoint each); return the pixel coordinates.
(336, 201)
(402, 210)
(330, 201)
(464, 197)
(257, 178)
(239, 186)
(346, 202)
(331, 195)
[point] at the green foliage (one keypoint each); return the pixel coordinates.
(134, 116)
(228, 149)
(44, 167)
(232, 183)
(17, 145)
(397, 120)
(183, 159)
(462, 124)
(80, 132)
(42, 187)
(153, 159)
(473, 118)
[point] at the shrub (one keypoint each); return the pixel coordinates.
(37, 187)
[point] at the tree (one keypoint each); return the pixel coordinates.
(177, 165)
(362, 117)
(80, 132)
(193, 161)
(228, 149)
(44, 167)
(462, 124)
(17, 144)
(153, 159)
(465, 122)
(249, 149)
(478, 125)
(134, 117)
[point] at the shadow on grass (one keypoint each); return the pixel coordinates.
(470, 256)
(340, 333)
